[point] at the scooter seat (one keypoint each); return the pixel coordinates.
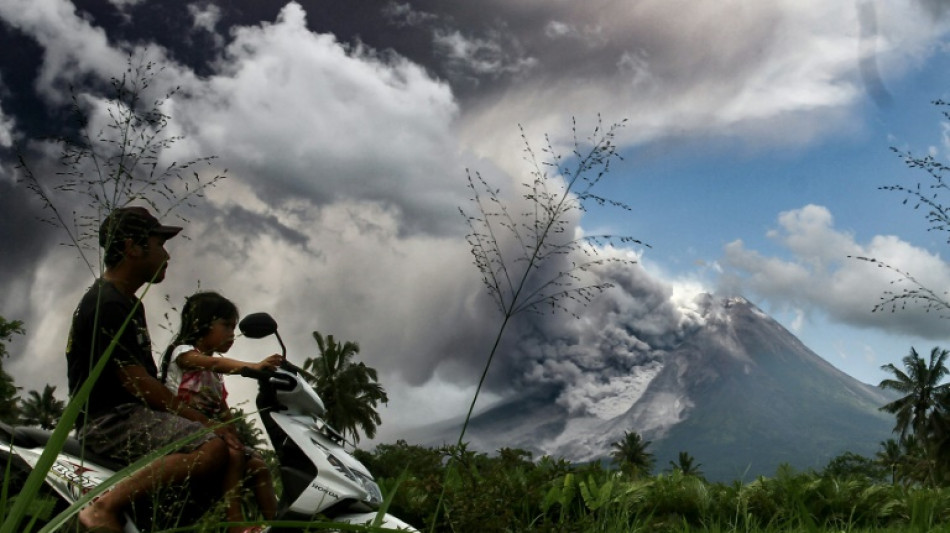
(25, 437)
(31, 437)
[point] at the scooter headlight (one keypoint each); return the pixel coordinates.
(373, 495)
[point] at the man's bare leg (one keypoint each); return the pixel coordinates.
(103, 512)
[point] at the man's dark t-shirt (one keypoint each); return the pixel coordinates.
(89, 337)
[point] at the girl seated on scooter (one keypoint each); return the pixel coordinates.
(192, 368)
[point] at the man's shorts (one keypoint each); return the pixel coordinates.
(131, 431)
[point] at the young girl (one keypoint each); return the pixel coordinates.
(192, 370)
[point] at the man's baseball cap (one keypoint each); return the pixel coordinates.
(132, 223)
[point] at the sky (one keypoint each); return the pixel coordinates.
(756, 139)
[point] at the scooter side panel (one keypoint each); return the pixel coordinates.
(330, 486)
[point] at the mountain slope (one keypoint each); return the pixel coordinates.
(762, 398)
(741, 394)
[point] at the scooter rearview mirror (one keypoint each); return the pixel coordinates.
(258, 325)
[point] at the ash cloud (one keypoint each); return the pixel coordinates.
(605, 354)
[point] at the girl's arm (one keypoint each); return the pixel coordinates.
(194, 359)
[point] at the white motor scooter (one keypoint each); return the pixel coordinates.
(318, 475)
(320, 480)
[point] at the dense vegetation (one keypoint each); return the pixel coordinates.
(510, 491)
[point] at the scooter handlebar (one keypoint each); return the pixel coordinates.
(278, 380)
(249, 372)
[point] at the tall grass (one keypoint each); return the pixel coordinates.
(529, 257)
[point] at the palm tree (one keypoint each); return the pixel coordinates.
(685, 465)
(8, 328)
(919, 464)
(349, 390)
(891, 457)
(9, 401)
(920, 384)
(42, 410)
(632, 455)
(939, 434)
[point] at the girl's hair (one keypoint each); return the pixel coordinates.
(199, 312)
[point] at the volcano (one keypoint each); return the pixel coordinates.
(741, 394)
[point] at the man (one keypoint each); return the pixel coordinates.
(129, 412)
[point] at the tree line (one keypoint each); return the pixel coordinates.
(41, 409)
